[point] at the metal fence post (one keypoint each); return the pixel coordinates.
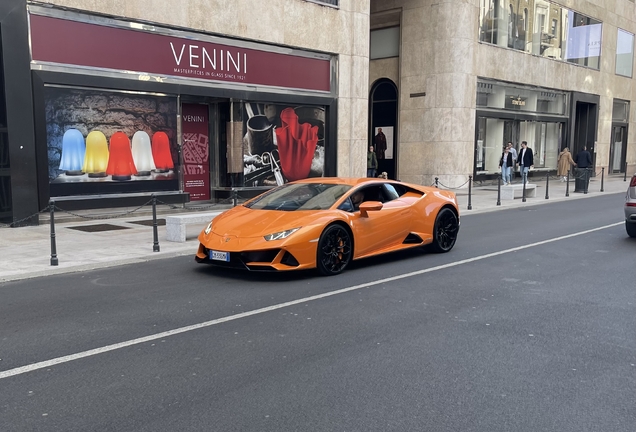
(498, 190)
(523, 197)
(155, 235)
(602, 178)
(547, 185)
(470, 188)
(567, 185)
(54, 260)
(437, 182)
(586, 178)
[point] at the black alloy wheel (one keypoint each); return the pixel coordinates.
(445, 231)
(334, 250)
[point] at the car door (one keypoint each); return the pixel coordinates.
(381, 229)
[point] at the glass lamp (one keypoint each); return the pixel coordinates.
(96, 159)
(161, 152)
(120, 162)
(142, 153)
(73, 149)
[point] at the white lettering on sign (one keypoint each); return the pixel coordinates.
(194, 119)
(209, 59)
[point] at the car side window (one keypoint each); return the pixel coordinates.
(392, 191)
(347, 206)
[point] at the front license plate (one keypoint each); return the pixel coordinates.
(219, 256)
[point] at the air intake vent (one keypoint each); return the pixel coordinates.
(412, 239)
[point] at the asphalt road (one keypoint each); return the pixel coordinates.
(538, 338)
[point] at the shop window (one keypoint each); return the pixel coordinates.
(385, 43)
(279, 143)
(334, 3)
(620, 111)
(104, 141)
(624, 53)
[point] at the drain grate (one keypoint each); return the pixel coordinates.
(98, 228)
(160, 222)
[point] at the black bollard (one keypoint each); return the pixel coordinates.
(437, 182)
(470, 188)
(547, 185)
(567, 185)
(523, 199)
(234, 197)
(602, 178)
(586, 177)
(155, 235)
(625, 175)
(54, 260)
(498, 190)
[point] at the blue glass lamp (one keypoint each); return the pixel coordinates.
(73, 151)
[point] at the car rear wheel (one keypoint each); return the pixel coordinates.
(335, 248)
(631, 229)
(445, 231)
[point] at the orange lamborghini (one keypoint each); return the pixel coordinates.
(325, 223)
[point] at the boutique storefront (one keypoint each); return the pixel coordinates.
(124, 109)
(516, 113)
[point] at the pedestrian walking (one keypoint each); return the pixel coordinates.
(513, 152)
(372, 162)
(525, 160)
(505, 162)
(565, 162)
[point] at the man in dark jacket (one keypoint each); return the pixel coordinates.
(583, 158)
(525, 160)
(583, 164)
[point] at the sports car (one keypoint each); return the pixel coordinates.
(325, 223)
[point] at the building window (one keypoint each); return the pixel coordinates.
(547, 30)
(385, 43)
(624, 53)
(334, 3)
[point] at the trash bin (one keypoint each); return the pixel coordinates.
(582, 179)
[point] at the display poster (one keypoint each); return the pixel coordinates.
(282, 143)
(583, 41)
(102, 141)
(196, 151)
(383, 142)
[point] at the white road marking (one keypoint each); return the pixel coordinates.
(65, 359)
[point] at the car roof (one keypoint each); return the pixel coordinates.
(351, 181)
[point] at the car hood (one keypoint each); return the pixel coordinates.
(244, 222)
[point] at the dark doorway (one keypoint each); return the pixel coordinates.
(585, 119)
(383, 101)
(618, 149)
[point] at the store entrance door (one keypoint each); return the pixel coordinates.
(618, 149)
(585, 129)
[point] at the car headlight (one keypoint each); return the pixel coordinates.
(208, 228)
(281, 235)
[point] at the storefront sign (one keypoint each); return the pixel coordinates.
(70, 42)
(195, 147)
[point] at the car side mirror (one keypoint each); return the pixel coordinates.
(368, 206)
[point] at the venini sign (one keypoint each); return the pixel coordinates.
(69, 42)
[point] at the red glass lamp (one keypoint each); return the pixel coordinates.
(120, 161)
(161, 152)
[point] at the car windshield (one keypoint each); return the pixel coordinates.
(300, 196)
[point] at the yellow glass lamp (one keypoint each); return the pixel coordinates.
(96, 158)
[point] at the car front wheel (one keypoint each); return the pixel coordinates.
(335, 249)
(445, 231)
(630, 227)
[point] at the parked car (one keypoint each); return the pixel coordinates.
(325, 223)
(630, 208)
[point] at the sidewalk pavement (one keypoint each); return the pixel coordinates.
(26, 252)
